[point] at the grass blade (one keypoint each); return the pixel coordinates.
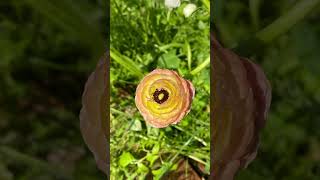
(126, 62)
(201, 66)
(189, 55)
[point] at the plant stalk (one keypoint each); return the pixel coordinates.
(201, 66)
(285, 22)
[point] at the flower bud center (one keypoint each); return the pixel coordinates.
(160, 96)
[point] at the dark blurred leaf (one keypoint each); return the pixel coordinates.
(67, 15)
(5, 174)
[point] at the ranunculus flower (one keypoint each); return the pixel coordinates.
(172, 3)
(189, 9)
(242, 96)
(93, 115)
(164, 98)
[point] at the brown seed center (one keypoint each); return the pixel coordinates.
(160, 96)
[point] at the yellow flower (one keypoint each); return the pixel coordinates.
(164, 98)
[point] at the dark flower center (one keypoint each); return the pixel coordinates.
(160, 96)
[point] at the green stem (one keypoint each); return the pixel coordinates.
(173, 158)
(285, 22)
(201, 66)
(189, 55)
(168, 15)
(180, 150)
(156, 37)
(120, 112)
(197, 159)
(190, 134)
(254, 12)
(168, 46)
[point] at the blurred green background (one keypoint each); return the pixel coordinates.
(290, 143)
(47, 50)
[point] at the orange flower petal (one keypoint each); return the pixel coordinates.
(164, 98)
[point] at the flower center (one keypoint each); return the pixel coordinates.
(160, 96)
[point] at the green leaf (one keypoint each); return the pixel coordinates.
(125, 159)
(152, 158)
(156, 148)
(174, 167)
(161, 171)
(206, 3)
(136, 125)
(169, 60)
(142, 168)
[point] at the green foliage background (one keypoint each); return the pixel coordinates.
(146, 35)
(290, 143)
(47, 50)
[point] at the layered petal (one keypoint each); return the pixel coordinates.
(93, 115)
(163, 97)
(242, 96)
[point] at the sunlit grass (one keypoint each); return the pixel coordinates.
(143, 39)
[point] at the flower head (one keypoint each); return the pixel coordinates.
(164, 98)
(242, 96)
(93, 115)
(172, 3)
(189, 9)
